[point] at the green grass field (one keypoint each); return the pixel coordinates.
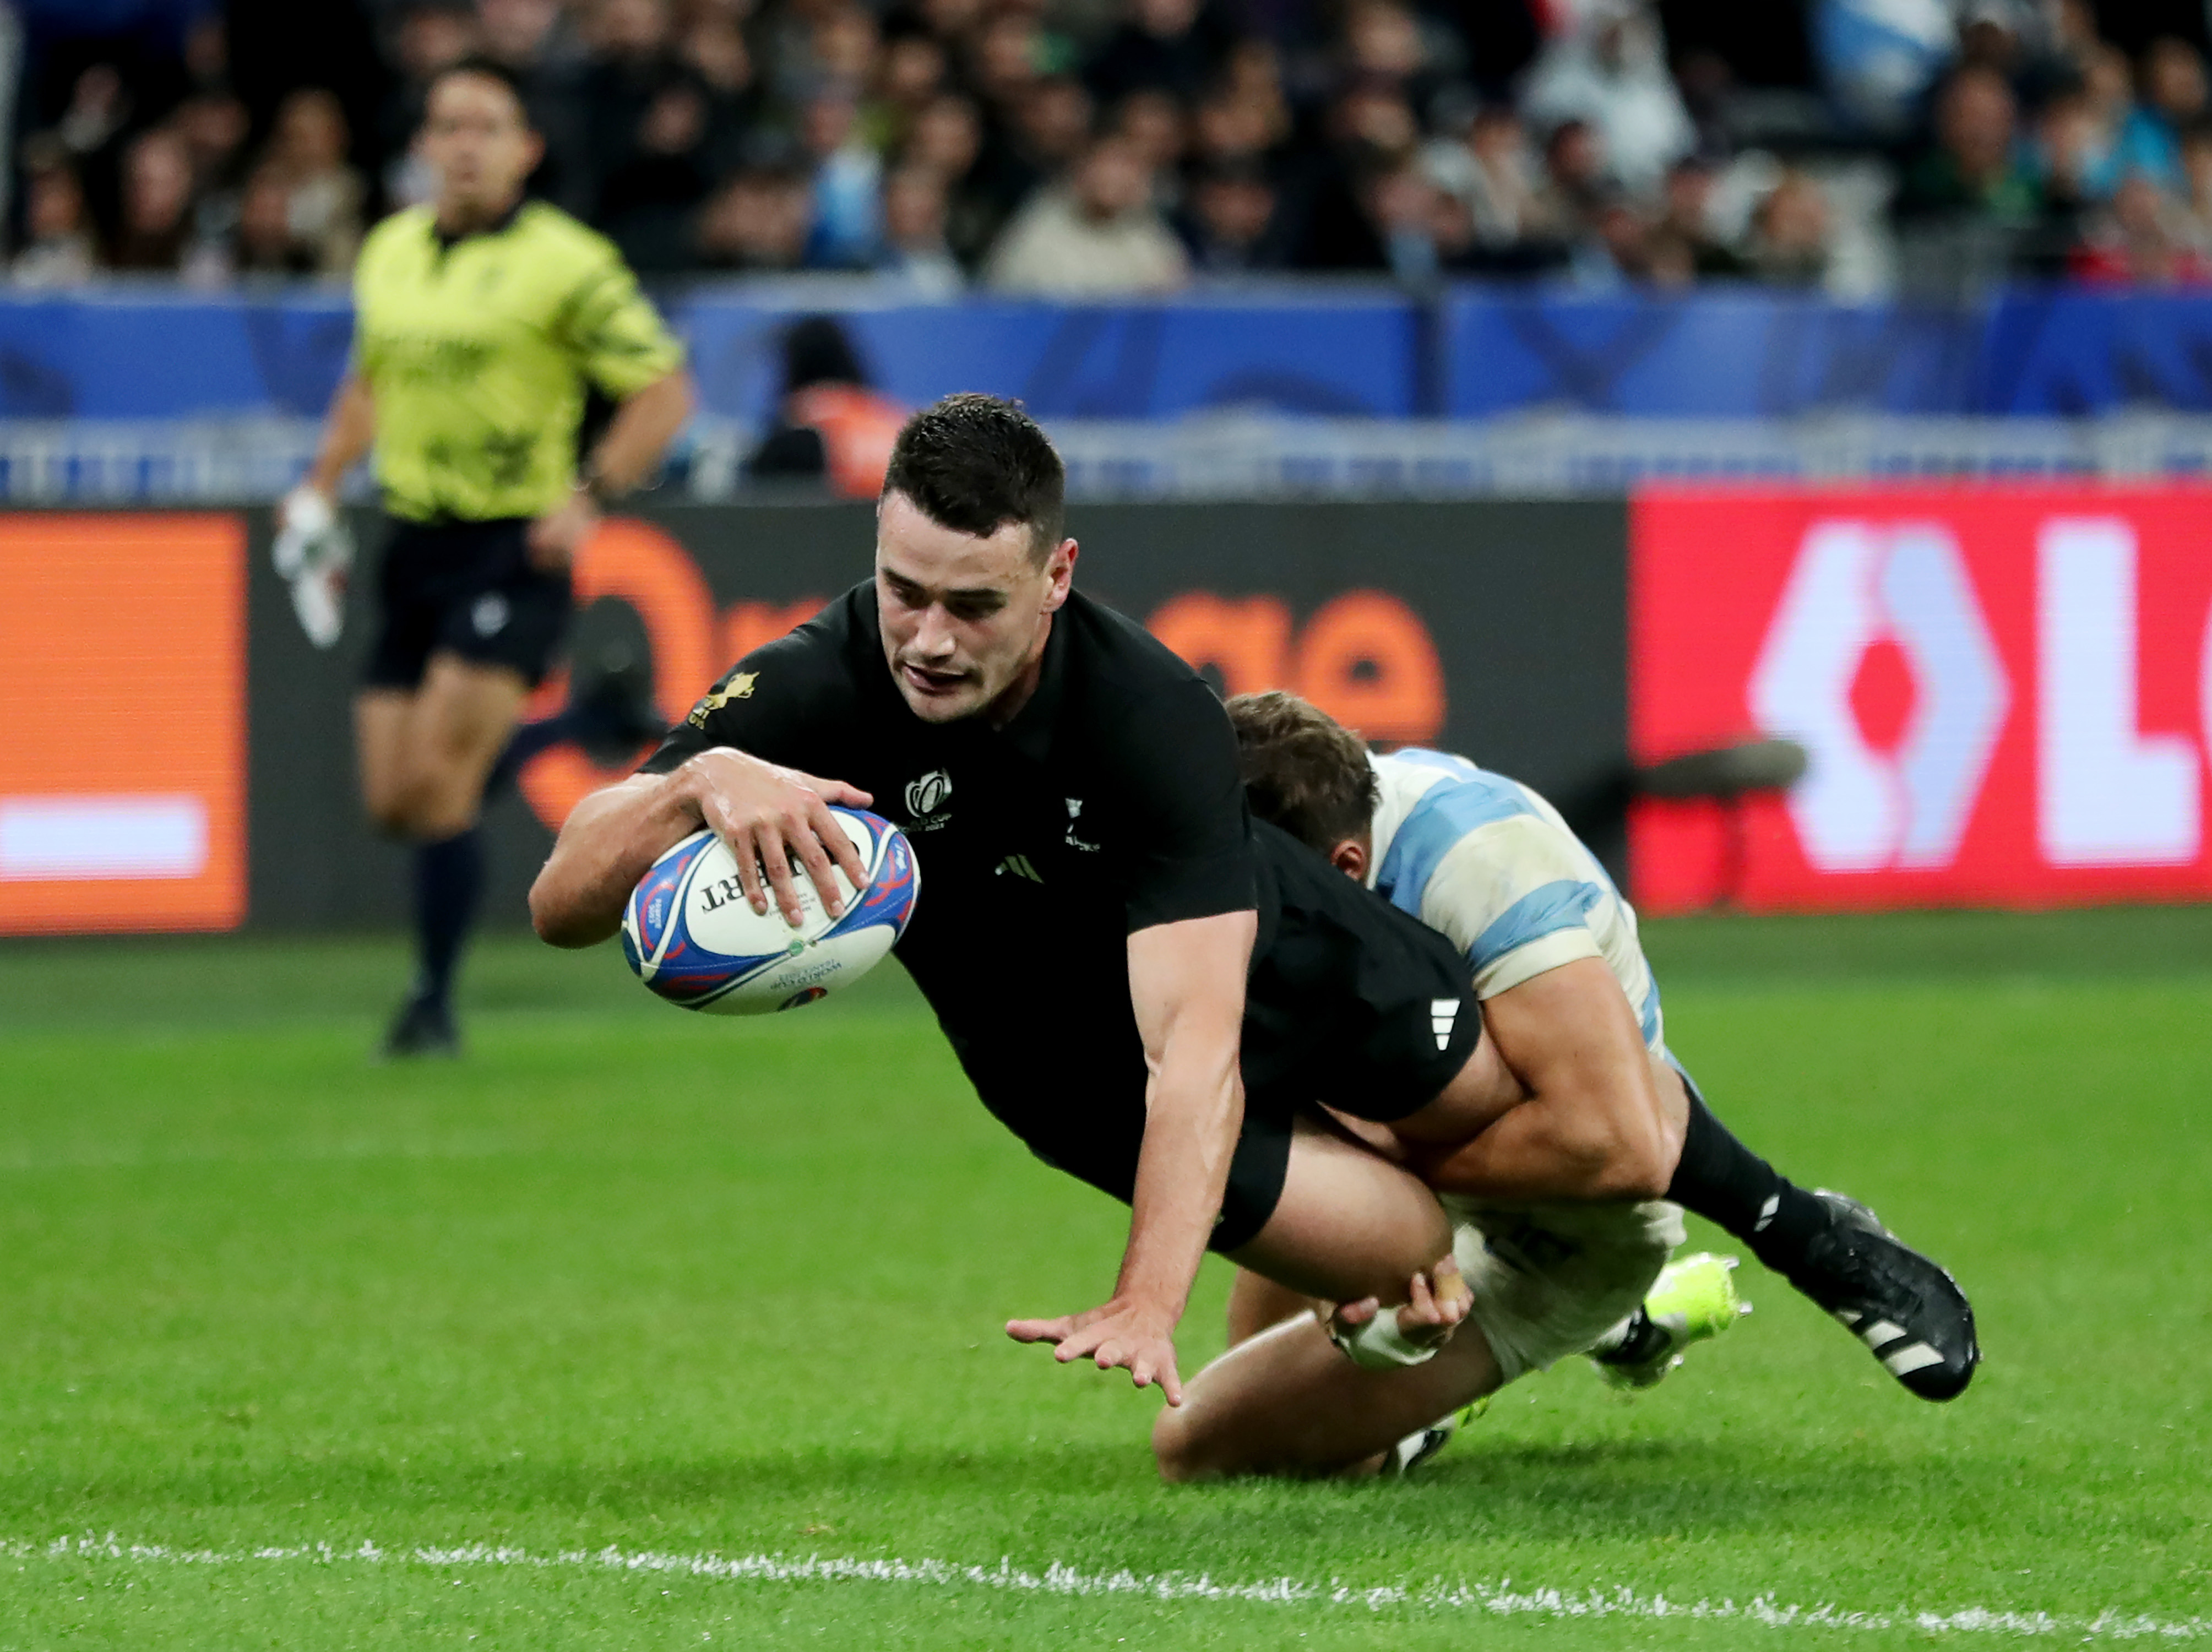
(526, 1328)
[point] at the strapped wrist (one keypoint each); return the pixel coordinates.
(1379, 1345)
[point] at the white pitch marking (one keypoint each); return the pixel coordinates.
(1500, 1599)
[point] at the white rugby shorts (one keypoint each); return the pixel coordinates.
(1550, 1279)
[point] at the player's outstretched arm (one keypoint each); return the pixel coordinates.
(1595, 1125)
(1187, 984)
(773, 819)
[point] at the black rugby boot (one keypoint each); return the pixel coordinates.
(424, 1026)
(1908, 1311)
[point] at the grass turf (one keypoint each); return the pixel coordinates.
(261, 1294)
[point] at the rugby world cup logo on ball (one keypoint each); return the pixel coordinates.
(692, 938)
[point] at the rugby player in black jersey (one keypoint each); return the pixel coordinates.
(1097, 894)
(1152, 990)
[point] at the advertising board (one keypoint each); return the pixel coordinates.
(1494, 628)
(2006, 694)
(123, 767)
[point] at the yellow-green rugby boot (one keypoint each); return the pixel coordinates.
(1692, 1301)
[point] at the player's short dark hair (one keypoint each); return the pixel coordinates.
(1302, 769)
(489, 68)
(974, 462)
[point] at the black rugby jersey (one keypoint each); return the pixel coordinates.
(1109, 804)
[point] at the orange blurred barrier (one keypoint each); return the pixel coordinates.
(123, 697)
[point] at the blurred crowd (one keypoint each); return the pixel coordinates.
(1071, 147)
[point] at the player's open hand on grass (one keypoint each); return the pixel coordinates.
(1134, 1336)
(772, 817)
(1436, 1301)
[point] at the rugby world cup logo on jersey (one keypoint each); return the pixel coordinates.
(1856, 586)
(926, 801)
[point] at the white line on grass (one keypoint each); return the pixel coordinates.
(1501, 1598)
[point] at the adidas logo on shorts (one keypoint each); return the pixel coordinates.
(1444, 1015)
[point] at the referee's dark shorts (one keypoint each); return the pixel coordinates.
(465, 588)
(1351, 1004)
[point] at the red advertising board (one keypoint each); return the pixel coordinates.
(2006, 696)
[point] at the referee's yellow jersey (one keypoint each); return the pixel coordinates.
(476, 352)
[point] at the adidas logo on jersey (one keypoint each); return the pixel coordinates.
(1020, 866)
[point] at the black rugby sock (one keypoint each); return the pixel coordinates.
(1725, 1182)
(525, 742)
(448, 879)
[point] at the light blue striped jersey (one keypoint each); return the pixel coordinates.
(1493, 866)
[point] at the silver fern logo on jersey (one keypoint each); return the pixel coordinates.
(926, 799)
(1074, 814)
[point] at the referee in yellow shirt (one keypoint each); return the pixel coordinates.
(479, 321)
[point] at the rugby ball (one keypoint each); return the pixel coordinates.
(692, 937)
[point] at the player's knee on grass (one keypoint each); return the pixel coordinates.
(1286, 1403)
(1175, 1447)
(1211, 1437)
(1188, 1455)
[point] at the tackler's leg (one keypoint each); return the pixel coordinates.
(1288, 1402)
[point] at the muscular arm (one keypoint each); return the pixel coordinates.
(348, 429)
(1187, 983)
(606, 844)
(769, 816)
(1596, 1125)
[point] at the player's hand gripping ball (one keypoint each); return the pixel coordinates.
(692, 937)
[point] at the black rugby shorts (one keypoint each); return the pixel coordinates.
(1351, 1003)
(1079, 1105)
(466, 588)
